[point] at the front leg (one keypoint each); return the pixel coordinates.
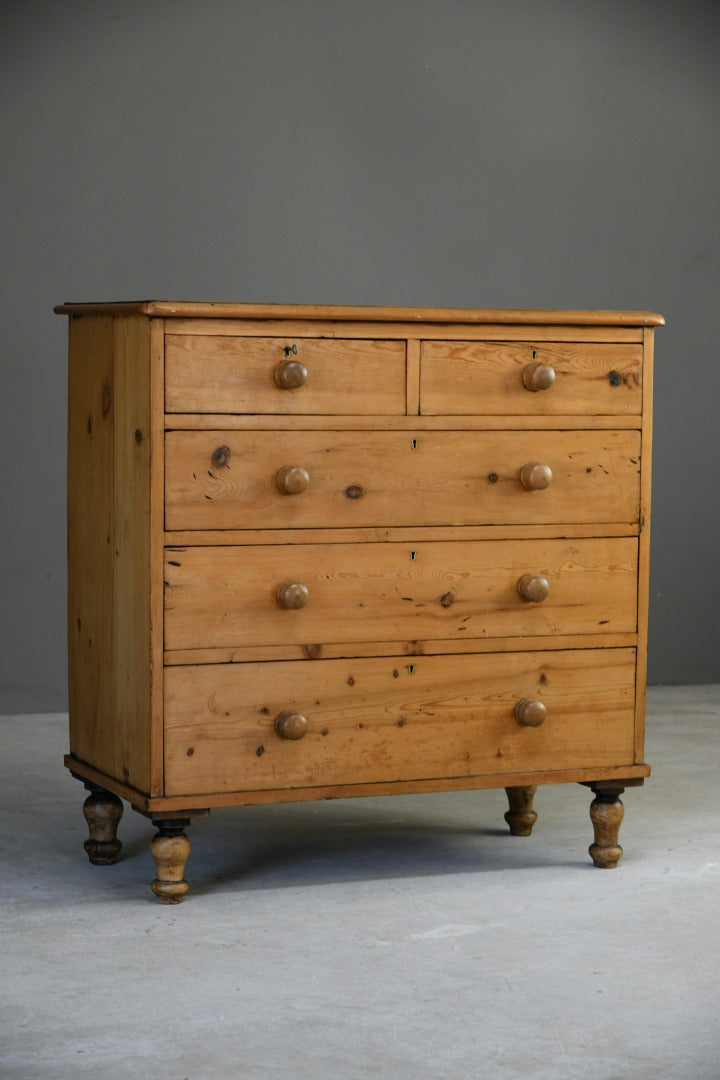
(521, 817)
(170, 850)
(606, 814)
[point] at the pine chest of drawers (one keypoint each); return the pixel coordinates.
(325, 552)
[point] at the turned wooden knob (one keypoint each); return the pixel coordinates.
(289, 374)
(534, 588)
(538, 377)
(535, 476)
(292, 595)
(292, 479)
(530, 713)
(290, 725)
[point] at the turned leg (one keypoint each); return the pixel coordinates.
(170, 850)
(102, 812)
(606, 814)
(521, 817)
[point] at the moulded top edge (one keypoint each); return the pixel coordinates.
(206, 310)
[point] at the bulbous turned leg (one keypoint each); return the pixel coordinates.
(170, 850)
(606, 814)
(102, 812)
(521, 817)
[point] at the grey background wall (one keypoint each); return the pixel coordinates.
(539, 153)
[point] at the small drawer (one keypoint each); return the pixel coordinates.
(302, 479)
(219, 597)
(289, 376)
(300, 724)
(542, 379)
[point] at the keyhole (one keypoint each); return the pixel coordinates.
(413, 444)
(534, 354)
(412, 555)
(411, 669)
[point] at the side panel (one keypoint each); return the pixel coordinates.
(109, 544)
(644, 547)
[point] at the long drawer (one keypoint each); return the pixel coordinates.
(295, 479)
(473, 377)
(232, 596)
(384, 719)
(284, 375)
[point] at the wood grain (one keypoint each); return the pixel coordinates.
(378, 720)
(437, 478)
(220, 597)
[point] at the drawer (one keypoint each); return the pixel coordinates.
(242, 375)
(470, 377)
(228, 596)
(296, 479)
(372, 720)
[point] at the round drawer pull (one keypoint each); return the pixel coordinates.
(535, 477)
(530, 713)
(290, 374)
(292, 479)
(534, 588)
(292, 595)
(538, 377)
(290, 725)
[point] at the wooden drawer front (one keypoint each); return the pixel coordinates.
(371, 720)
(469, 377)
(237, 375)
(230, 479)
(227, 596)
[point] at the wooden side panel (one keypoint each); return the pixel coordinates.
(237, 375)
(91, 468)
(437, 478)
(644, 548)
(225, 596)
(157, 553)
(109, 546)
(380, 720)
(476, 377)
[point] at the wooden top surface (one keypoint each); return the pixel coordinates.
(189, 310)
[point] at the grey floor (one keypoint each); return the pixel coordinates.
(406, 937)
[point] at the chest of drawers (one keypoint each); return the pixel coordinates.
(319, 552)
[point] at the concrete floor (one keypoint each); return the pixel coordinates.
(407, 937)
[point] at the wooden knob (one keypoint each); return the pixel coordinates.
(290, 374)
(290, 725)
(530, 713)
(292, 595)
(538, 377)
(534, 588)
(292, 479)
(535, 476)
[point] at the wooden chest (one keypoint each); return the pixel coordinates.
(318, 552)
